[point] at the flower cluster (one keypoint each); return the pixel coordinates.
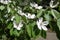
(5, 1)
(30, 16)
(36, 6)
(27, 15)
(41, 25)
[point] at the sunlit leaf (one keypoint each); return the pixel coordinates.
(2, 7)
(47, 16)
(11, 31)
(16, 33)
(39, 13)
(55, 14)
(17, 18)
(30, 29)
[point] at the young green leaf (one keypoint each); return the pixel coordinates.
(24, 19)
(16, 33)
(9, 26)
(17, 18)
(55, 14)
(28, 28)
(39, 13)
(11, 31)
(47, 17)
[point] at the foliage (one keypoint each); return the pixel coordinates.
(18, 19)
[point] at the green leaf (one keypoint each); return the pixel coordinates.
(58, 23)
(30, 30)
(4, 37)
(12, 11)
(39, 13)
(16, 33)
(47, 17)
(43, 34)
(32, 25)
(55, 14)
(9, 25)
(38, 1)
(17, 18)
(11, 31)
(8, 9)
(23, 3)
(24, 19)
(2, 7)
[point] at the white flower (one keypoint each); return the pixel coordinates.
(53, 6)
(33, 4)
(42, 25)
(21, 13)
(12, 18)
(5, 1)
(30, 16)
(36, 6)
(18, 27)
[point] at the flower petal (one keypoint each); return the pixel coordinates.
(5, 1)
(18, 28)
(38, 7)
(21, 13)
(12, 18)
(33, 4)
(44, 28)
(14, 24)
(39, 26)
(20, 24)
(40, 20)
(32, 16)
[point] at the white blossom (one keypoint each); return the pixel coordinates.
(17, 26)
(5, 1)
(39, 7)
(33, 4)
(27, 15)
(42, 25)
(36, 6)
(12, 18)
(53, 6)
(21, 13)
(30, 16)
